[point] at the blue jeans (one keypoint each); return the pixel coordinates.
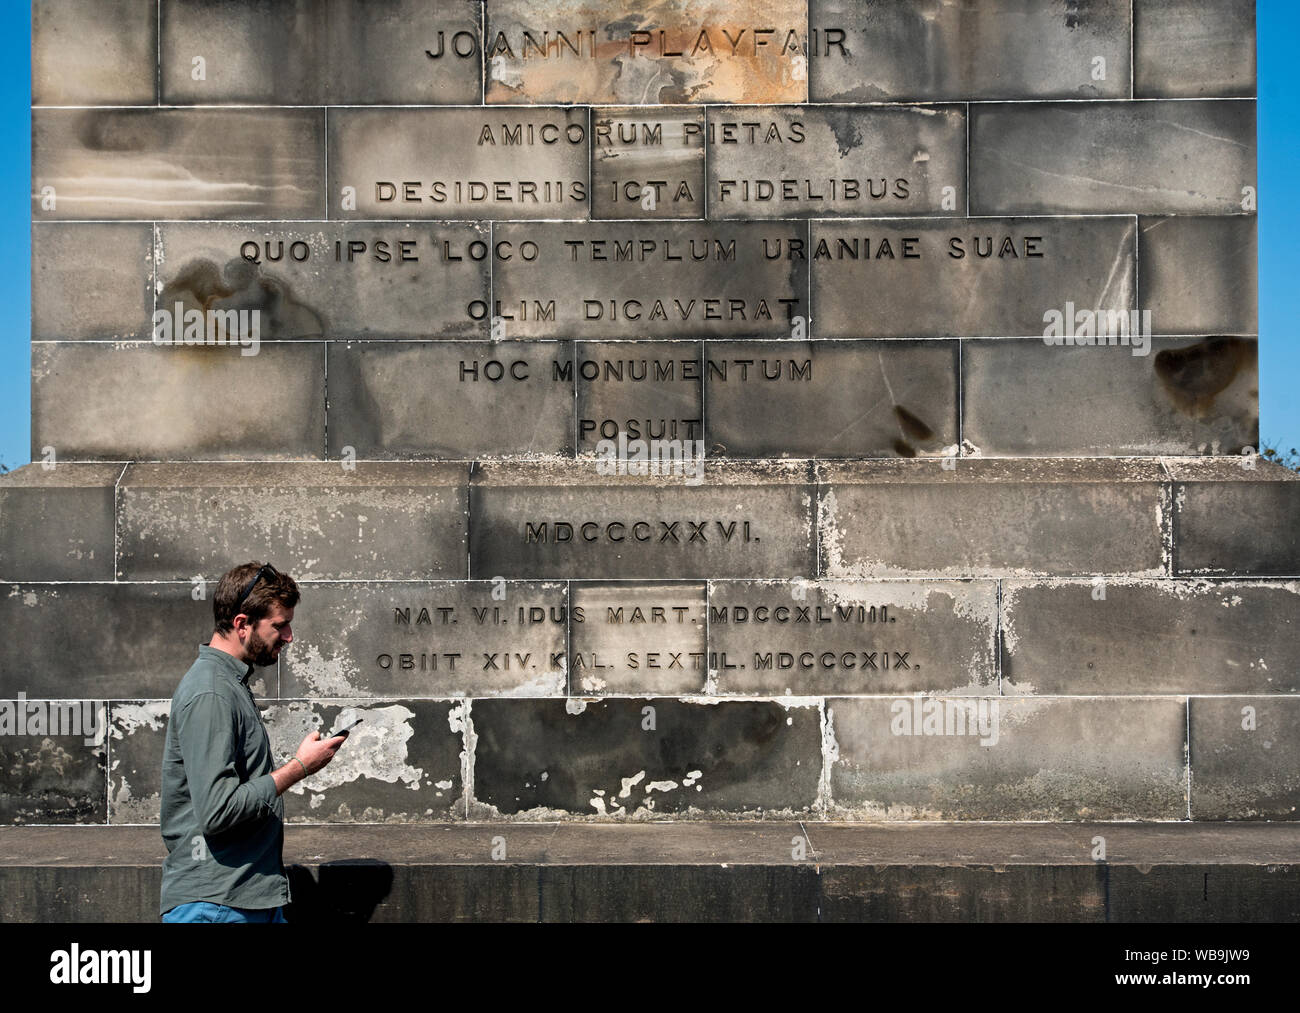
(206, 911)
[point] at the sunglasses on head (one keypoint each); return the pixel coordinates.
(268, 571)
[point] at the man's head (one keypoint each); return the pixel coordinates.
(253, 609)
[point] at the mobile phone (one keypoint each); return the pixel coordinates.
(343, 729)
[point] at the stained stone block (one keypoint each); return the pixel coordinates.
(613, 758)
(832, 398)
(313, 521)
(1243, 755)
(898, 50)
(321, 52)
(469, 163)
(57, 524)
(645, 390)
(805, 161)
(991, 518)
(94, 52)
(137, 735)
(137, 639)
(845, 637)
(990, 758)
(1151, 636)
(1232, 518)
(198, 401)
(567, 520)
(1025, 397)
(647, 162)
(1193, 48)
(638, 638)
(993, 277)
(143, 164)
(91, 281)
(46, 775)
(1175, 157)
(428, 639)
(664, 51)
(1200, 275)
(332, 280)
(653, 279)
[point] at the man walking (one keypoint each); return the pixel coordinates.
(222, 815)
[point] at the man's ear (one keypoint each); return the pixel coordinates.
(241, 622)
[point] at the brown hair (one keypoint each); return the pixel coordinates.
(271, 588)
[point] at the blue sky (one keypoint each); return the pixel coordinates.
(1279, 254)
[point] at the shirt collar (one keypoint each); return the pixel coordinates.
(237, 669)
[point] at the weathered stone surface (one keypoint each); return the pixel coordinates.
(1175, 157)
(832, 398)
(567, 520)
(1193, 48)
(94, 52)
(137, 639)
(652, 279)
(112, 402)
(987, 278)
(313, 521)
(321, 52)
(664, 51)
(57, 524)
(472, 163)
(898, 50)
(435, 639)
(647, 162)
(988, 518)
(638, 638)
(332, 280)
(438, 399)
(91, 281)
(1151, 636)
(1025, 397)
(846, 637)
(857, 161)
(1017, 759)
(1243, 754)
(1231, 518)
(158, 164)
(137, 734)
(1200, 275)
(598, 758)
(47, 776)
(647, 390)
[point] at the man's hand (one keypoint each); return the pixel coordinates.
(313, 754)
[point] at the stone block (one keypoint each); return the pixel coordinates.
(449, 400)
(469, 163)
(638, 638)
(898, 50)
(613, 758)
(531, 521)
(832, 398)
(647, 162)
(991, 758)
(331, 280)
(992, 518)
(1232, 518)
(57, 524)
(1147, 158)
(833, 161)
(975, 278)
(92, 281)
(645, 390)
(51, 763)
(1151, 636)
(1243, 755)
(663, 52)
(137, 734)
(1193, 48)
(143, 164)
(313, 521)
(838, 637)
(1200, 275)
(1162, 396)
(114, 402)
(653, 279)
(94, 52)
(428, 639)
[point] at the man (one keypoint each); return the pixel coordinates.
(222, 815)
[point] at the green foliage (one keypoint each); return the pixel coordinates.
(1288, 458)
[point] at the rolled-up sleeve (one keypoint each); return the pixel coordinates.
(207, 735)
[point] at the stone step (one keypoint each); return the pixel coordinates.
(1077, 872)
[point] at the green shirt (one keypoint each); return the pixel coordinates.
(222, 821)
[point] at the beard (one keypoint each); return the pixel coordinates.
(262, 653)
